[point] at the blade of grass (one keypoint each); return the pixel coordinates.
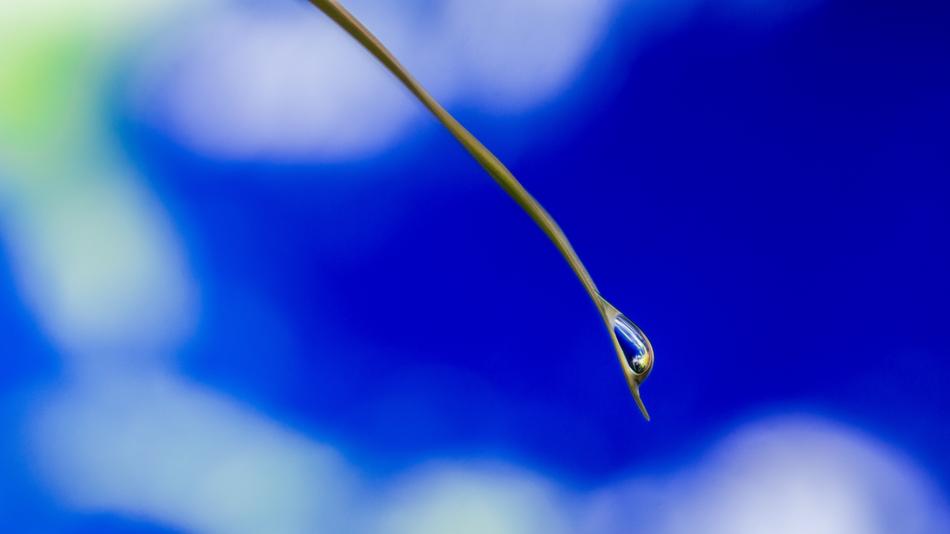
(496, 169)
(491, 164)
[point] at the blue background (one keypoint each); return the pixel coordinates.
(769, 202)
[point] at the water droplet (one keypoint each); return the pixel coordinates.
(633, 342)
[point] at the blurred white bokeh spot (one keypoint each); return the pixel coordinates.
(101, 266)
(273, 82)
(781, 476)
(474, 499)
(280, 81)
(517, 54)
(94, 253)
(152, 446)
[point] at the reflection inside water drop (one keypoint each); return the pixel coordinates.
(633, 342)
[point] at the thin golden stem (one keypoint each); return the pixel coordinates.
(482, 155)
(497, 170)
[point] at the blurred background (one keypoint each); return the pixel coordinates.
(247, 285)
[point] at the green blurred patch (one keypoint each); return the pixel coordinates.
(47, 88)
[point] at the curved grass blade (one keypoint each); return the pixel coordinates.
(497, 170)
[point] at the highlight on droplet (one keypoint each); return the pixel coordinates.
(633, 343)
